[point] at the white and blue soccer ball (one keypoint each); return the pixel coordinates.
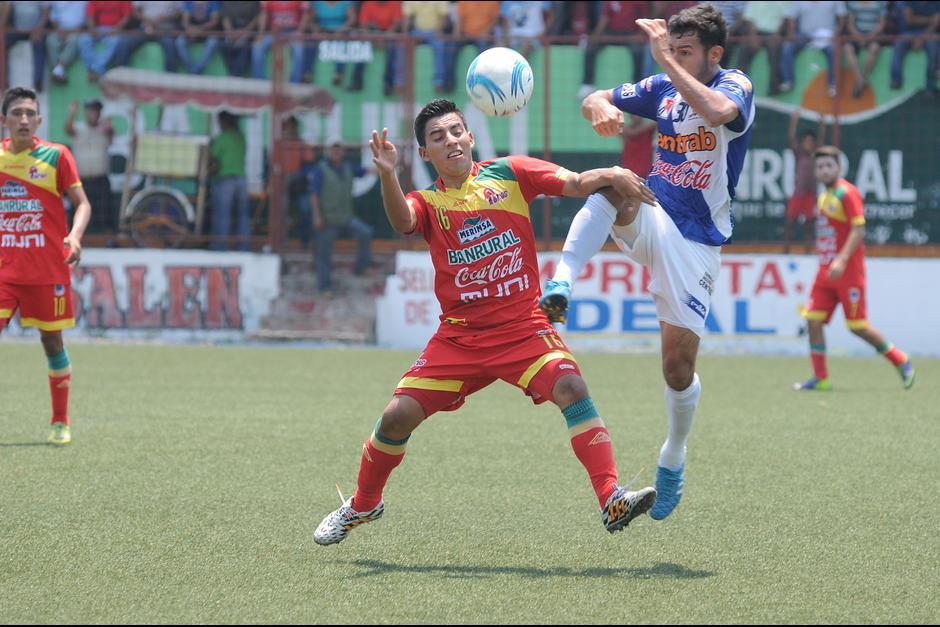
(500, 82)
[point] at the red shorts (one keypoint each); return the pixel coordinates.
(452, 368)
(826, 296)
(46, 307)
(802, 205)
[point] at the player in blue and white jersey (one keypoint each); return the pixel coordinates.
(704, 115)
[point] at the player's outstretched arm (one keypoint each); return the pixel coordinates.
(73, 241)
(625, 182)
(385, 157)
(598, 109)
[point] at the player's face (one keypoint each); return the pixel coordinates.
(827, 170)
(690, 53)
(448, 145)
(22, 120)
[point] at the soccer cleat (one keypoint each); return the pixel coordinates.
(554, 301)
(337, 525)
(669, 484)
(61, 434)
(906, 370)
(819, 385)
(623, 506)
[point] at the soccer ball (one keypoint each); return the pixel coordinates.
(500, 82)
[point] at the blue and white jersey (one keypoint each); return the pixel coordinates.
(697, 166)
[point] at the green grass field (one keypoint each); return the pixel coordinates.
(197, 475)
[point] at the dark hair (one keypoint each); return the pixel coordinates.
(434, 109)
(827, 151)
(705, 21)
(227, 118)
(18, 93)
(807, 133)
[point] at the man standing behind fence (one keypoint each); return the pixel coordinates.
(229, 186)
(90, 142)
(331, 199)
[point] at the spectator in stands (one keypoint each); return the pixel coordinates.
(199, 20)
(864, 22)
(158, 19)
(332, 18)
(733, 12)
(917, 18)
(618, 18)
(29, 22)
(90, 142)
(430, 22)
(381, 17)
(296, 159)
(575, 17)
(815, 23)
(280, 17)
(802, 205)
(62, 47)
(473, 24)
(763, 26)
(106, 39)
(240, 19)
(523, 23)
(229, 185)
(330, 184)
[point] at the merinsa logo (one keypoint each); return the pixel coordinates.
(700, 140)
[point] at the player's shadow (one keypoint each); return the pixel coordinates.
(10, 444)
(663, 570)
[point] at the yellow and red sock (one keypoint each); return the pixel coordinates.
(817, 354)
(60, 378)
(592, 446)
(893, 354)
(380, 456)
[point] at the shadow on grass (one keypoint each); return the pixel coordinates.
(9, 444)
(663, 570)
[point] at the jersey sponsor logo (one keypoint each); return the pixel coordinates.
(493, 197)
(12, 189)
(700, 140)
(694, 174)
(506, 265)
(35, 173)
(14, 206)
(741, 80)
(707, 282)
(492, 246)
(23, 223)
(695, 305)
(647, 84)
(628, 91)
(475, 228)
(26, 240)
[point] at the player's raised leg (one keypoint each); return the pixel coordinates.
(592, 445)
(381, 454)
(892, 353)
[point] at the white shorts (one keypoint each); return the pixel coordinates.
(682, 272)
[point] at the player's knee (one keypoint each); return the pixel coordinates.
(568, 389)
(402, 415)
(678, 372)
(52, 342)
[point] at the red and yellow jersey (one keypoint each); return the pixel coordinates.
(482, 243)
(32, 217)
(840, 208)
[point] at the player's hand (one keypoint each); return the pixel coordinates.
(606, 119)
(632, 187)
(74, 247)
(836, 269)
(658, 33)
(384, 153)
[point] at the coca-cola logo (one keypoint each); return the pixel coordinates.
(695, 174)
(506, 265)
(24, 223)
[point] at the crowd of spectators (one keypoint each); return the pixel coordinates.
(105, 34)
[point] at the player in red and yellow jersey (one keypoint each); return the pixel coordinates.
(476, 221)
(36, 248)
(840, 244)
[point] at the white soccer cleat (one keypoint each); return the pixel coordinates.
(337, 525)
(623, 506)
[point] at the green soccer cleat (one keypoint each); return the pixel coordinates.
(906, 370)
(814, 384)
(61, 434)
